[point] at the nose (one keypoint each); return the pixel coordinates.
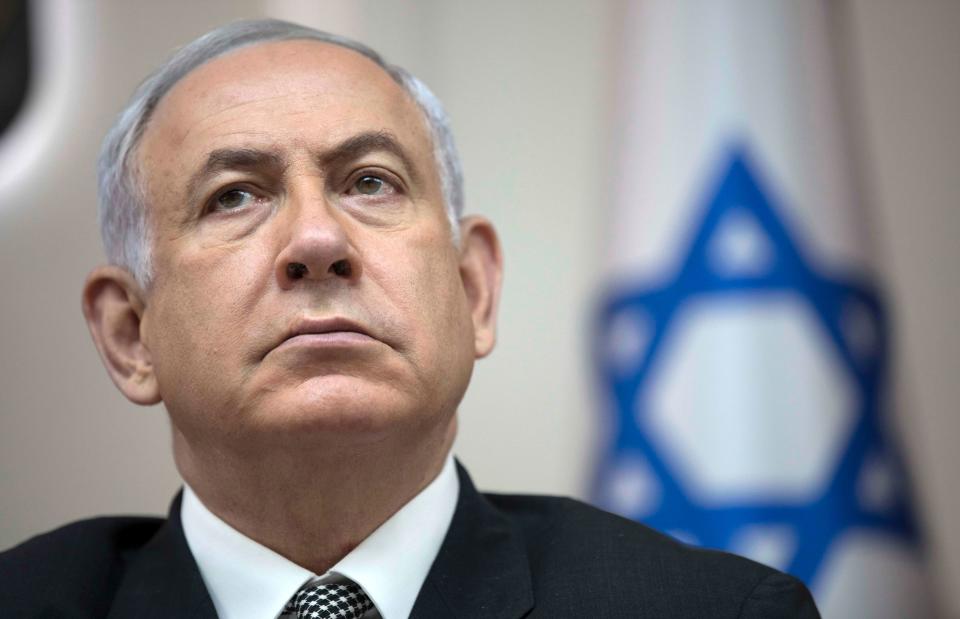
(318, 247)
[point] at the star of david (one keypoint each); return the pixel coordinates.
(761, 258)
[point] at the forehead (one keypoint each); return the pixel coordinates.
(284, 93)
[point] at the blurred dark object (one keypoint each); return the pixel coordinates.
(14, 59)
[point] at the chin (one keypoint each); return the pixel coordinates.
(343, 405)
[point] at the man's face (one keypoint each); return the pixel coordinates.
(274, 158)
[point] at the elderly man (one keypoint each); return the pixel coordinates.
(291, 275)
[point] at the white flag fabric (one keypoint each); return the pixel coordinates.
(742, 343)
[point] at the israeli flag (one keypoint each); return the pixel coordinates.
(742, 344)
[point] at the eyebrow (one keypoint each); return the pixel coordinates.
(234, 159)
(350, 149)
(359, 145)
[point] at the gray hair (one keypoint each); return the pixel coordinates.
(124, 225)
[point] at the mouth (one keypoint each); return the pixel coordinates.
(326, 333)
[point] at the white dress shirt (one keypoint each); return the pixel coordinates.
(247, 580)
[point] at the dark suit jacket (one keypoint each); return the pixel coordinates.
(503, 557)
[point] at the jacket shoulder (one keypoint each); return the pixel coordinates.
(579, 554)
(72, 570)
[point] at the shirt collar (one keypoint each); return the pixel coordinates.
(247, 580)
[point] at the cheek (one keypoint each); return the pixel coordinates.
(208, 293)
(199, 315)
(427, 294)
(436, 300)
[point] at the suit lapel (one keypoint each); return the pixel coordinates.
(482, 568)
(163, 580)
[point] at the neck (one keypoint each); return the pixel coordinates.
(312, 506)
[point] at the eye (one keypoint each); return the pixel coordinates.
(233, 199)
(370, 185)
(375, 184)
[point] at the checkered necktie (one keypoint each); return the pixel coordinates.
(333, 600)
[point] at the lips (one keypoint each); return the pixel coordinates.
(324, 334)
(321, 326)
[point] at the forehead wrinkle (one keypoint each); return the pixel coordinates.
(209, 123)
(322, 85)
(322, 92)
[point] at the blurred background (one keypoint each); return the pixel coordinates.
(731, 266)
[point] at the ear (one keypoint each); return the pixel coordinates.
(113, 305)
(481, 269)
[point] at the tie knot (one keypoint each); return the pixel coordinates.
(330, 601)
